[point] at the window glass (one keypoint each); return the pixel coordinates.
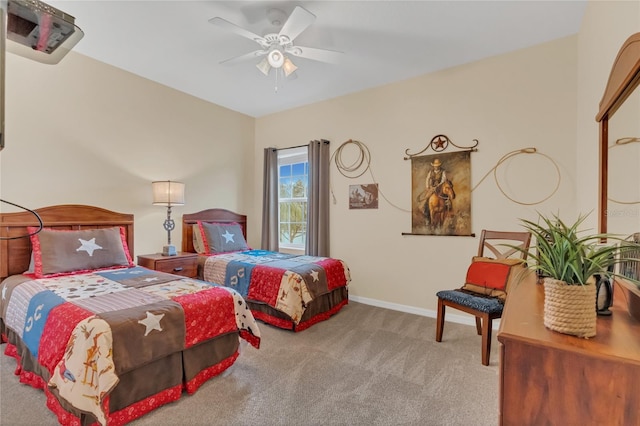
(293, 178)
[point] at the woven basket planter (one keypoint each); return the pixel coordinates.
(570, 309)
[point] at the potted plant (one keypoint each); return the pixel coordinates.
(567, 262)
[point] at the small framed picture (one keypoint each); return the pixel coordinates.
(363, 196)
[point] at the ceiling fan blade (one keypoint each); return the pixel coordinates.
(223, 23)
(245, 57)
(323, 55)
(298, 21)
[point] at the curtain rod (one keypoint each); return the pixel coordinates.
(301, 146)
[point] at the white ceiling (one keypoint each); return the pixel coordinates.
(172, 42)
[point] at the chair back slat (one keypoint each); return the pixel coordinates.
(506, 240)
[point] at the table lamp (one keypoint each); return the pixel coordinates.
(168, 193)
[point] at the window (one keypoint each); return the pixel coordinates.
(293, 179)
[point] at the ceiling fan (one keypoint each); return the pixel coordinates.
(275, 47)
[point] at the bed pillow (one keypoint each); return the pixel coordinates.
(198, 241)
(492, 277)
(222, 237)
(32, 265)
(61, 252)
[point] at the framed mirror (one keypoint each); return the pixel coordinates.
(623, 169)
(618, 115)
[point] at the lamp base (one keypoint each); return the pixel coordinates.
(169, 250)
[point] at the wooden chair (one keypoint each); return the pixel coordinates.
(484, 308)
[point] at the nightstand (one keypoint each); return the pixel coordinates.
(185, 264)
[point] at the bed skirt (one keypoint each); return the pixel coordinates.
(134, 395)
(320, 309)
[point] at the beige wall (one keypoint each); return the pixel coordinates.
(85, 132)
(82, 132)
(523, 99)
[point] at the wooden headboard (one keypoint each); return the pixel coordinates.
(210, 215)
(15, 254)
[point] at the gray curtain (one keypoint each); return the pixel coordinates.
(270, 201)
(318, 214)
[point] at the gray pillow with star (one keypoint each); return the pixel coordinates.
(59, 252)
(222, 237)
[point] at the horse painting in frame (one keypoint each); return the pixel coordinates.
(439, 209)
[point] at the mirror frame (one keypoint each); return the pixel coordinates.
(3, 36)
(623, 79)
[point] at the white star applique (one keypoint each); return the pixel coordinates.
(88, 246)
(148, 280)
(315, 276)
(228, 236)
(152, 322)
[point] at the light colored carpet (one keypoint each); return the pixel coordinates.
(364, 366)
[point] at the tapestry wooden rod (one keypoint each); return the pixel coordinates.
(438, 235)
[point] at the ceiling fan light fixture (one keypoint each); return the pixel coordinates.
(264, 66)
(288, 67)
(275, 58)
(276, 47)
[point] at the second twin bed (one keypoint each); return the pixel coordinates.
(284, 290)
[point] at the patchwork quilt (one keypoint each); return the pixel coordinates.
(87, 329)
(283, 281)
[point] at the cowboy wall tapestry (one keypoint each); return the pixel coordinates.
(441, 194)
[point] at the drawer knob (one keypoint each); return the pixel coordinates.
(178, 269)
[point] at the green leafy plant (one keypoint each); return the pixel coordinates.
(563, 253)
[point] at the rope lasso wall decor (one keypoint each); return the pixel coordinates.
(530, 150)
(362, 164)
(358, 167)
(364, 158)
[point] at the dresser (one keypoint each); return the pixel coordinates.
(548, 378)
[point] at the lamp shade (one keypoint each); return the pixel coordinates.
(288, 67)
(264, 66)
(168, 193)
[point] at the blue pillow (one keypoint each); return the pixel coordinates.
(222, 237)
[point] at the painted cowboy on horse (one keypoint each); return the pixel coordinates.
(436, 179)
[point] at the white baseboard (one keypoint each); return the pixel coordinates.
(449, 317)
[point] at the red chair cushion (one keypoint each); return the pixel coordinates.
(492, 277)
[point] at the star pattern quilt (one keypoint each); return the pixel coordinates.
(88, 330)
(283, 281)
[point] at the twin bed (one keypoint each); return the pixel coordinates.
(89, 327)
(284, 290)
